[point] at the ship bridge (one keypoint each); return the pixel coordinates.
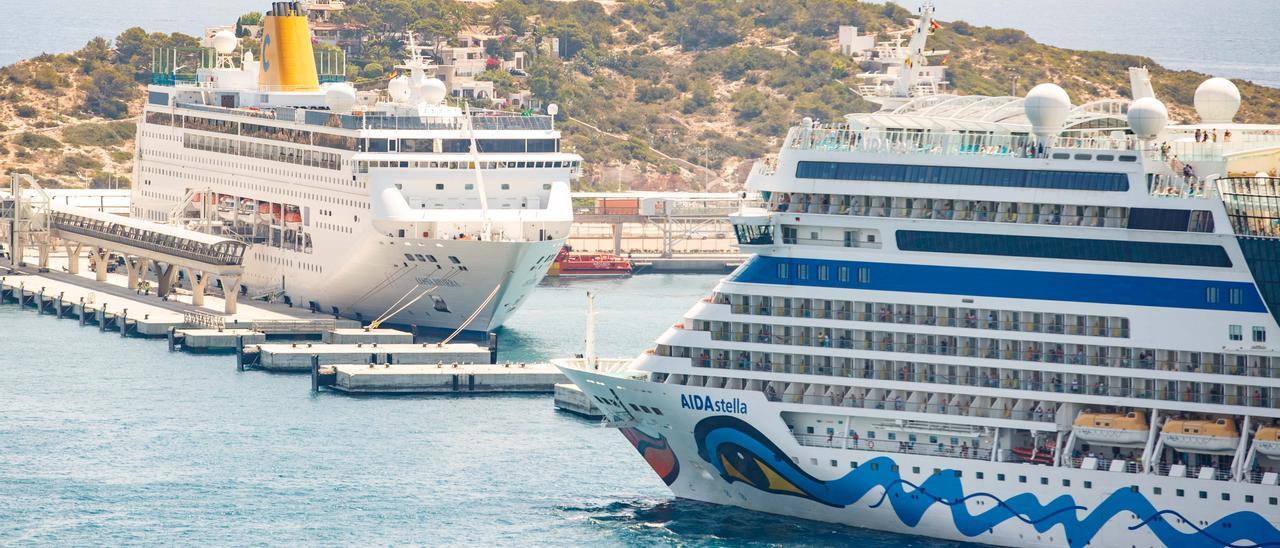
(33, 220)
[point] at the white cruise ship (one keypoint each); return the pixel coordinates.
(1005, 320)
(387, 206)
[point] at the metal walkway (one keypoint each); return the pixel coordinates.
(32, 219)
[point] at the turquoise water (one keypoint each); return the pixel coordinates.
(105, 440)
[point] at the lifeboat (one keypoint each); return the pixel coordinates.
(1043, 455)
(264, 212)
(1267, 441)
(1112, 428)
(246, 207)
(570, 263)
(292, 217)
(1201, 436)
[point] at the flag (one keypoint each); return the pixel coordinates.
(933, 25)
(944, 60)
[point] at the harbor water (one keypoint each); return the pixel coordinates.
(105, 440)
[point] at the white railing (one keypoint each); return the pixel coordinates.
(943, 142)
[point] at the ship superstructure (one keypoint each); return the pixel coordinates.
(1006, 320)
(386, 205)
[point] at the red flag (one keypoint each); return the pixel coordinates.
(933, 25)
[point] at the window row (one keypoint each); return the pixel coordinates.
(1178, 220)
(363, 165)
(262, 151)
(957, 175)
(974, 376)
(1076, 249)
(972, 318)
(992, 348)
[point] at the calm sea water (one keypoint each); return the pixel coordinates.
(106, 440)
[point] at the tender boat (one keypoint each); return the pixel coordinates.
(1200, 436)
(570, 263)
(1123, 429)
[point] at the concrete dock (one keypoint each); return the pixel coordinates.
(297, 357)
(437, 379)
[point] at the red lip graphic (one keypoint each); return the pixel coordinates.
(656, 452)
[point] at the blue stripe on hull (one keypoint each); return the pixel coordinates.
(1010, 284)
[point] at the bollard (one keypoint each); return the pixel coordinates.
(315, 372)
(239, 352)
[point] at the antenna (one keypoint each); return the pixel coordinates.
(589, 350)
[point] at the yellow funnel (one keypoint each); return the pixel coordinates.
(288, 63)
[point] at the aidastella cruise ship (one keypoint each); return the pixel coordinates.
(1006, 320)
(393, 205)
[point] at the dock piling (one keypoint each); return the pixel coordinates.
(315, 372)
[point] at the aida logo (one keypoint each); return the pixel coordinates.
(266, 61)
(707, 403)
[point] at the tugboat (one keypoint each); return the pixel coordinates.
(571, 263)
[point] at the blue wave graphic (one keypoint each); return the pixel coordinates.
(742, 453)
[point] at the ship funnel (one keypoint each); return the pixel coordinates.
(288, 63)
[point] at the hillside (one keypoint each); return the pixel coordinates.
(649, 89)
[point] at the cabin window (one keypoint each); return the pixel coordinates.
(1235, 333)
(1259, 334)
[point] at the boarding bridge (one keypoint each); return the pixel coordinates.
(32, 220)
(677, 215)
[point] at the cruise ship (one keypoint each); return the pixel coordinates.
(398, 205)
(1005, 320)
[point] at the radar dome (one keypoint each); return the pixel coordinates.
(224, 42)
(553, 109)
(1147, 117)
(434, 91)
(340, 97)
(1217, 100)
(398, 88)
(1047, 107)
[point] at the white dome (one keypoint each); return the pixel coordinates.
(434, 91)
(340, 97)
(1047, 107)
(553, 109)
(398, 88)
(1217, 100)
(224, 42)
(1147, 117)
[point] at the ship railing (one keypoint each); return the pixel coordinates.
(962, 451)
(945, 409)
(1179, 186)
(203, 319)
(814, 204)
(934, 320)
(831, 338)
(953, 143)
(765, 167)
(1047, 383)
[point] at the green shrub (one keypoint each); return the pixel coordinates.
(36, 141)
(372, 70)
(121, 155)
(100, 135)
(73, 164)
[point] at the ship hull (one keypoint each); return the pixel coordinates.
(732, 447)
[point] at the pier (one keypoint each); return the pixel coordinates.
(400, 378)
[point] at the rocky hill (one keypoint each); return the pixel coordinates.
(650, 90)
